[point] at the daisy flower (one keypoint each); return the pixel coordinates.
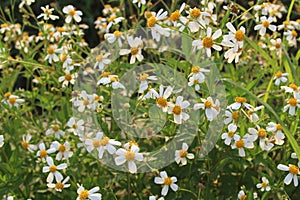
(135, 49)
(265, 24)
(161, 98)
(260, 133)
(209, 106)
(239, 101)
(292, 175)
(113, 20)
(68, 78)
(51, 54)
(227, 137)
(84, 194)
(231, 54)
(242, 195)
(276, 46)
(42, 152)
(48, 13)
(60, 184)
(252, 113)
(64, 152)
(129, 155)
(292, 88)
(72, 13)
(194, 20)
(264, 185)
(101, 60)
(280, 77)
(177, 110)
(115, 36)
(241, 143)
(67, 62)
(167, 182)
(182, 154)
(13, 100)
(54, 129)
(276, 129)
(77, 127)
(195, 80)
(84, 102)
(175, 16)
(102, 144)
(139, 2)
(53, 169)
(292, 104)
(25, 143)
(107, 78)
(208, 42)
(156, 29)
(144, 81)
(231, 116)
(291, 36)
(1, 140)
(27, 2)
(199, 72)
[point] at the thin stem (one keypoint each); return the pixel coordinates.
(290, 10)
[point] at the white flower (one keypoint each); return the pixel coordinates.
(116, 36)
(291, 36)
(85, 101)
(72, 13)
(64, 152)
(113, 20)
(260, 133)
(276, 129)
(242, 195)
(154, 198)
(231, 116)
(129, 155)
(108, 78)
(231, 54)
(236, 36)
(75, 126)
(166, 182)
(182, 154)
(276, 46)
(264, 185)
(227, 137)
(280, 77)
(48, 13)
(25, 143)
(68, 78)
(88, 194)
(13, 100)
(101, 143)
(176, 110)
(60, 184)
(239, 101)
(292, 88)
(156, 29)
(42, 152)
(252, 113)
(55, 129)
(102, 60)
(292, 104)
(211, 108)
(144, 81)
(139, 2)
(1, 140)
(53, 170)
(241, 143)
(27, 2)
(135, 49)
(196, 80)
(51, 54)
(292, 175)
(265, 23)
(208, 42)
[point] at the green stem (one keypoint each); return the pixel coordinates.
(290, 10)
(185, 190)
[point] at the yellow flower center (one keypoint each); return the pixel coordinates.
(293, 86)
(243, 197)
(183, 153)
(111, 18)
(61, 29)
(278, 74)
(151, 21)
(196, 82)
(230, 133)
(175, 15)
(96, 143)
(162, 102)
(48, 12)
(264, 184)
(104, 141)
(294, 169)
(207, 104)
(195, 13)
(74, 126)
(235, 115)
(117, 34)
(134, 51)
(286, 23)
(277, 45)
(50, 50)
(72, 12)
(195, 69)
(131, 143)
(176, 110)
(240, 144)
(278, 127)
(148, 14)
(168, 181)
(114, 79)
(63, 58)
(86, 102)
(266, 23)
(240, 99)
(25, 144)
(62, 148)
(143, 77)
(53, 168)
(239, 35)
(83, 195)
(59, 186)
(294, 33)
(7, 94)
(105, 74)
(293, 102)
(55, 128)
(129, 155)
(12, 100)
(207, 42)
(99, 58)
(43, 153)
(68, 77)
(262, 133)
